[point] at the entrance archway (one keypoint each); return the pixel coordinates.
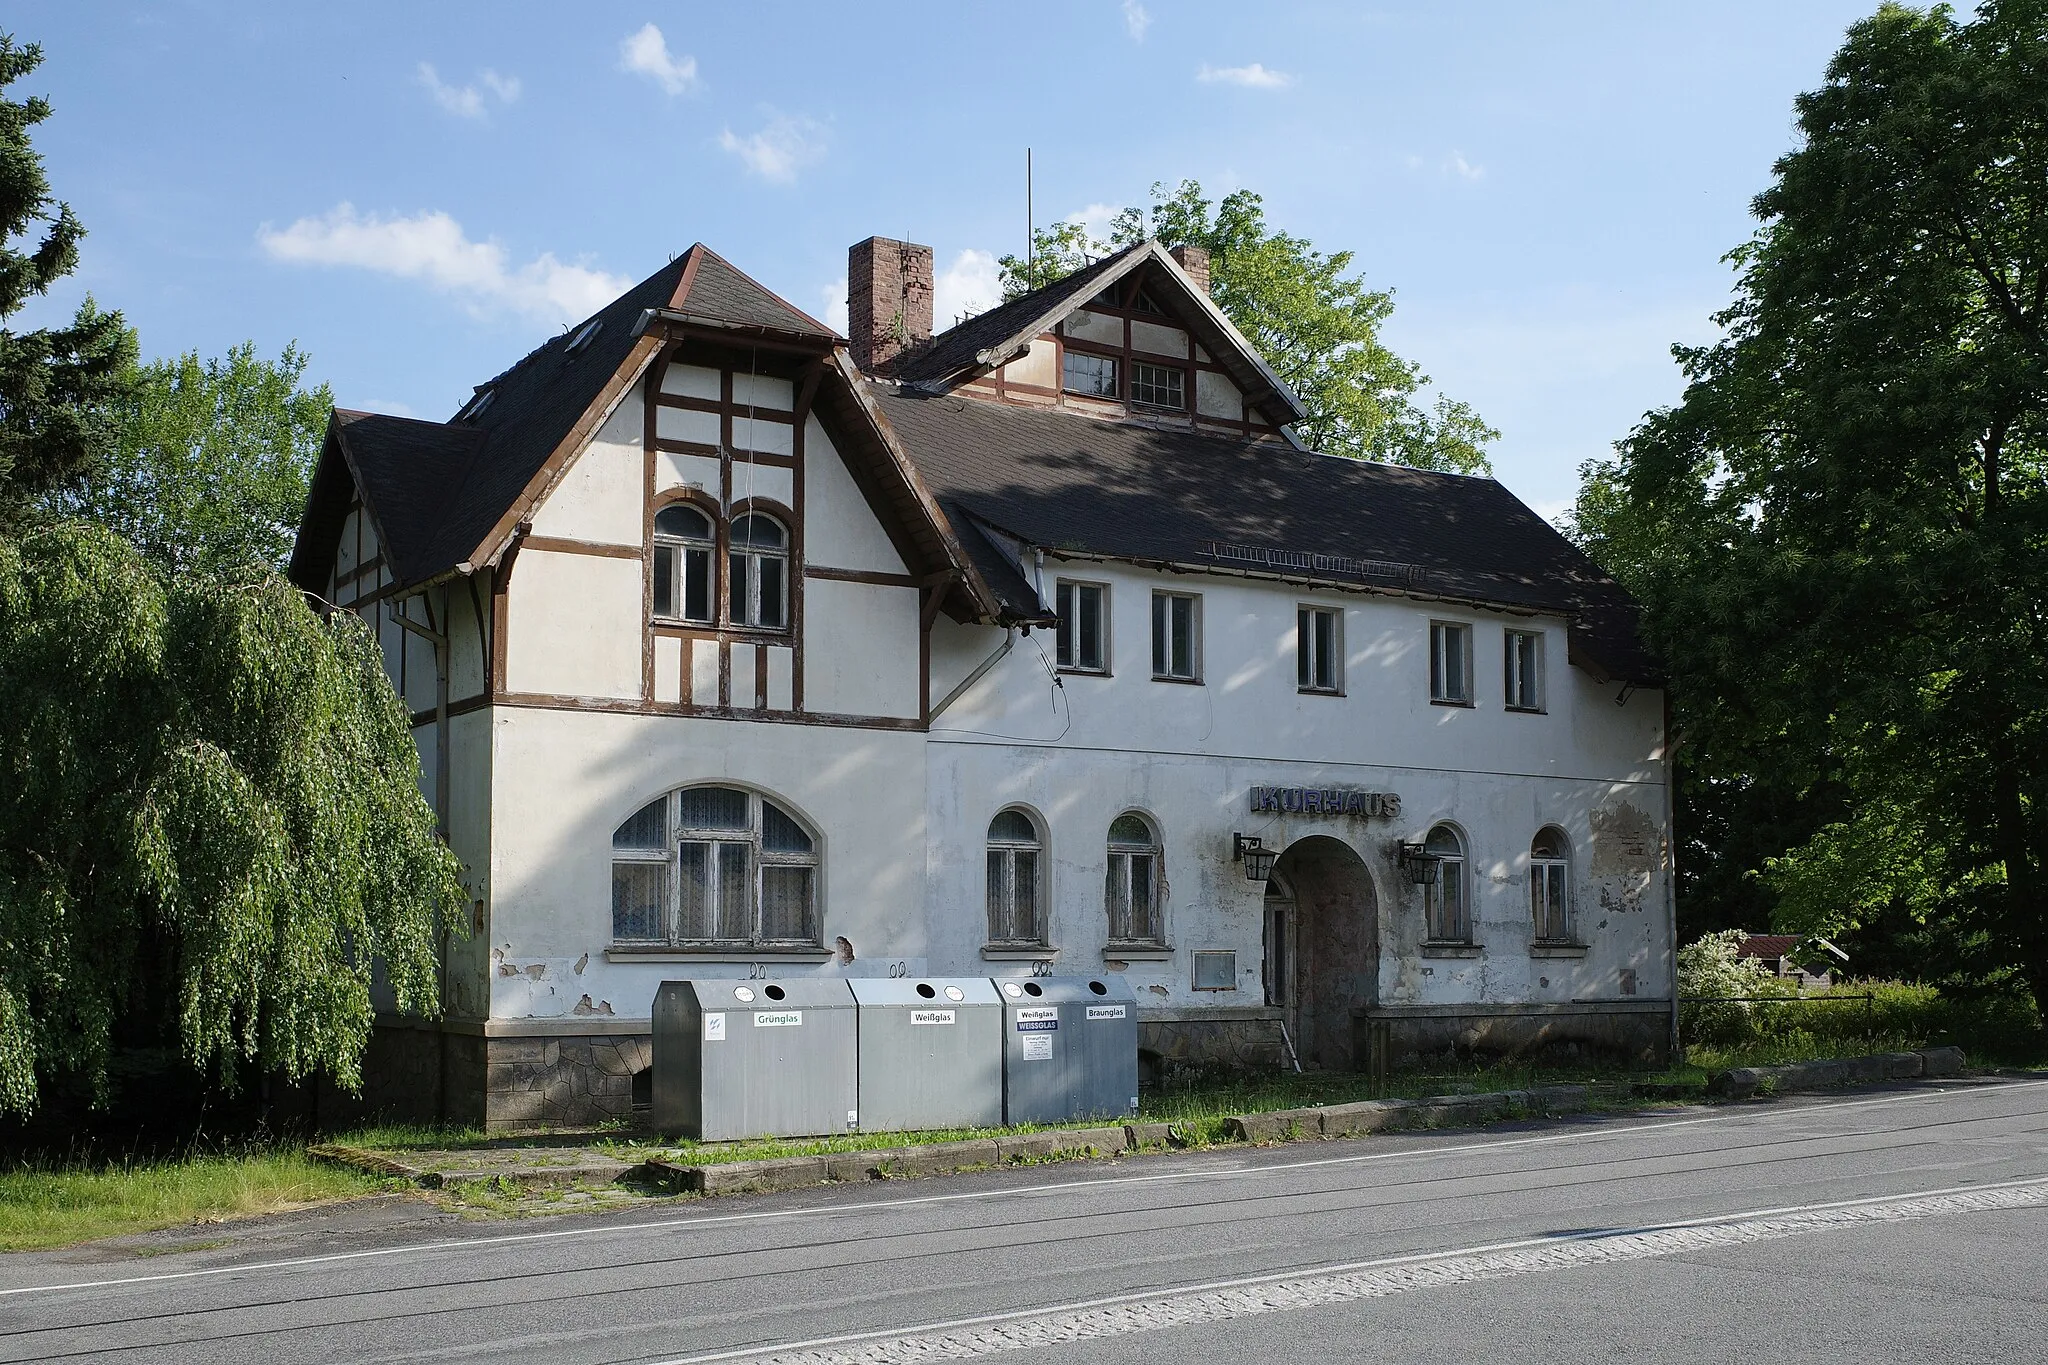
(1322, 947)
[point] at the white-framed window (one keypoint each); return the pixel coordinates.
(1084, 626)
(1444, 896)
(1016, 879)
(1450, 663)
(1319, 649)
(1091, 376)
(1133, 892)
(1177, 636)
(685, 551)
(1158, 386)
(757, 584)
(714, 867)
(1550, 896)
(1523, 670)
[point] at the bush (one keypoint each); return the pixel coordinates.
(1708, 967)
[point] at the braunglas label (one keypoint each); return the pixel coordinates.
(1105, 1011)
(714, 1028)
(778, 1018)
(1037, 1047)
(931, 1016)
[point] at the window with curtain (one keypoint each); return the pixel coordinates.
(1445, 895)
(1015, 880)
(714, 867)
(1550, 887)
(757, 578)
(684, 553)
(1134, 890)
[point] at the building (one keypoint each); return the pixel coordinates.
(1799, 958)
(736, 647)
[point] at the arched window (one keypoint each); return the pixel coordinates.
(714, 867)
(683, 549)
(758, 584)
(1550, 902)
(1132, 893)
(1015, 877)
(1444, 896)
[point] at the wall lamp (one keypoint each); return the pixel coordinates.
(1419, 863)
(1258, 860)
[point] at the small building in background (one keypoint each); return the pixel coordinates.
(1807, 959)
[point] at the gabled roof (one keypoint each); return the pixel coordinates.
(988, 339)
(1070, 484)
(441, 492)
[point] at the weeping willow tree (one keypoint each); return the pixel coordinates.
(210, 823)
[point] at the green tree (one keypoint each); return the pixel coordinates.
(210, 821)
(1315, 322)
(1842, 529)
(210, 460)
(57, 383)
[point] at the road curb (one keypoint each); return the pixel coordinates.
(1745, 1082)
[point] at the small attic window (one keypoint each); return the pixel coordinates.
(1106, 299)
(1143, 302)
(476, 405)
(583, 336)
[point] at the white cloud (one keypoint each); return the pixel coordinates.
(1255, 76)
(466, 101)
(972, 284)
(1457, 165)
(1136, 20)
(782, 148)
(433, 247)
(646, 54)
(1097, 219)
(833, 296)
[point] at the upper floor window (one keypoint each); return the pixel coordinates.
(1318, 650)
(758, 581)
(1444, 895)
(1177, 636)
(1091, 376)
(1133, 892)
(1015, 880)
(1084, 626)
(1524, 670)
(717, 867)
(683, 551)
(1550, 887)
(1450, 663)
(1158, 386)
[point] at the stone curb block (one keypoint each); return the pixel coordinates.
(1744, 1082)
(606, 1172)
(334, 1154)
(1378, 1116)
(776, 1173)
(1139, 1136)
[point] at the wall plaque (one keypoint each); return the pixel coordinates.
(1327, 801)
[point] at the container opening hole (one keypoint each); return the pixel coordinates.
(1031, 988)
(924, 989)
(1098, 988)
(772, 992)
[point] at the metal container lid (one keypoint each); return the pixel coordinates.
(938, 992)
(1066, 990)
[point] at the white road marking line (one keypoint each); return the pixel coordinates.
(683, 1222)
(1225, 1300)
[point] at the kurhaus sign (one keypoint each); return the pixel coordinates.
(1327, 801)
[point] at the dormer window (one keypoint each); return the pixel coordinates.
(758, 584)
(1158, 386)
(683, 550)
(1091, 376)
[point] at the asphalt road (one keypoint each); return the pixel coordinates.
(1902, 1225)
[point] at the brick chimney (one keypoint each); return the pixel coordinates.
(1194, 260)
(888, 300)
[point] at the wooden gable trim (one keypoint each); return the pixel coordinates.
(550, 473)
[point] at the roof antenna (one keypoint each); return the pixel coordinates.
(1030, 228)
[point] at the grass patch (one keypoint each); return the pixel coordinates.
(49, 1206)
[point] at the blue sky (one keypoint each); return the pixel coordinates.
(417, 194)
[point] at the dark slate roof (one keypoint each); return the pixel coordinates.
(438, 489)
(955, 349)
(1768, 945)
(1063, 482)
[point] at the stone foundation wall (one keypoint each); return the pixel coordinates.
(1247, 1042)
(1636, 1035)
(412, 1073)
(572, 1081)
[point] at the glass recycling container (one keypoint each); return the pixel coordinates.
(1070, 1048)
(931, 1053)
(744, 1059)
